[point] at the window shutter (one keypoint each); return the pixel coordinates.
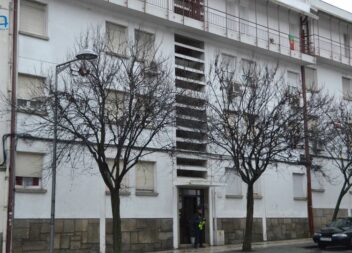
(145, 176)
(125, 180)
(233, 182)
(298, 186)
(311, 79)
(145, 45)
(228, 63)
(33, 18)
(292, 79)
(317, 181)
(257, 187)
(117, 38)
(346, 87)
(29, 87)
(29, 164)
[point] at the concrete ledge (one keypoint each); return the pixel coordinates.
(124, 193)
(300, 198)
(229, 196)
(318, 190)
(36, 191)
(147, 194)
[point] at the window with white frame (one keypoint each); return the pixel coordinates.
(233, 182)
(317, 182)
(311, 79)
(145, 45)
(33, 18)
(29, 167)
(145, 177)
(117, 37)
(30, 92)
(293, 79)
(244, 17)
(125, 186)
(346, 88)
(347, 45)
(115, 105)
(228, 63)
(298, 186)
(257, 188)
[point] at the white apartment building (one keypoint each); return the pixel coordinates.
(155, 213)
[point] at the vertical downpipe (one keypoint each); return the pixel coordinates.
(11, 194)
(308, 162)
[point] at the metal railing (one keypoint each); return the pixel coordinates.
(262, 35)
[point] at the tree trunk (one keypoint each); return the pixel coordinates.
(116, 222)
(338, 203)
(247, 241)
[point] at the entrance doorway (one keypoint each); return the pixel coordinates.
(189, 200)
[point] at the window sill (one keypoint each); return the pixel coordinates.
(229, 196)
(300, 198)
(118, 55)
(257, 196)
(123, 193)
(30, 190)
(37, 36)
(146, 194)
(32, 111)
(318, 190)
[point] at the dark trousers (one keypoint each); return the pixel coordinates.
(198, 238)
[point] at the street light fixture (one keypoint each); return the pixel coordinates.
(84, 55)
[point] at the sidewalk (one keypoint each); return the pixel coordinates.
(257, 245)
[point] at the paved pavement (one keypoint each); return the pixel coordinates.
(290, 246)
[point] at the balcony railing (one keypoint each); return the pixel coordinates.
(254, 33)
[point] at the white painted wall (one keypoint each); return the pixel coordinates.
(80, 193)
(5, 51)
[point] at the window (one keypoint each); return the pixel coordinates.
(347, 45)
(114, 108)
(317, 182)
(233, 183)
(346, 88)
(293, 79)
(257, 188)
(30, 92)
(299, 192)
(311, 79)
(29, 168)
(244, 17)
(125, 181)
(145, 177)
(228, 63)
(145, 45)
(33, 18)
(117, 38)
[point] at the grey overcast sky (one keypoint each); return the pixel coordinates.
(343, 4)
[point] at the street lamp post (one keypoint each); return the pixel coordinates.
(88, 55)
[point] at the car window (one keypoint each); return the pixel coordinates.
(341, 223)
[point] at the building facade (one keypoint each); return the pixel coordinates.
(192, 33)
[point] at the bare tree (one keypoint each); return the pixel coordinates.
(255, 119)
(338, 146)
(117, 107)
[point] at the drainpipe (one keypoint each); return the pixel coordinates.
(11, 177)
(308, 161)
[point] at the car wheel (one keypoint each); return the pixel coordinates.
(321, 246)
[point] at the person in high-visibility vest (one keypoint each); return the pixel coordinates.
(198, 226)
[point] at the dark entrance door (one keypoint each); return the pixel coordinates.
(189, 200)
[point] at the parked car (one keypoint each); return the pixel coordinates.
(339, 232)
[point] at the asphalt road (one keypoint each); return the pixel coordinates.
(302, 248)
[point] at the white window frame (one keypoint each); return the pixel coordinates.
(145, 192)
(124, 45)
(315, 85)
(317, 182)
(346, 94)
(25, 178)
(43, 36)
(303, 191)
(148, 56)
(298, 81)
(231, 173)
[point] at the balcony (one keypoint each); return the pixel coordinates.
(330, 49)
(195, 14)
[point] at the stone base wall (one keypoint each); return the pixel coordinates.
(323, 216)
(234, 229)
(72, 235)
(286, 228)
(141, 235)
